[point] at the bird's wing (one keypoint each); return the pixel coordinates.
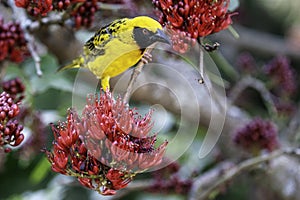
(96, 45)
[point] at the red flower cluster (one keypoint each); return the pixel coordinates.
(282, 74)
(15, 88)
(84, 14)
(10, 129)
(106, 147)
(41, 8)
(35, 7)
(257, 135)
(12, 42)
(64, 4)
(190, 19)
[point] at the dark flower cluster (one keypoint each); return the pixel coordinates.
(10, 129)
(257, 135)
(15, 88)
(35, 7)
(82, 11)
(166, 180)
(38, 137)
(190, 19)
(42, 8)
(283, 84)
(106, 146)
(13, 45)
(246, 63)
(279, 76)
(285, 108)
(282, 74)
(84, 15)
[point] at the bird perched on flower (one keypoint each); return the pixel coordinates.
(118, 46)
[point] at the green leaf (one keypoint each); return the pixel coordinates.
(224, 66)
(15, 197)
(61, 83)
(40, 171)
(233, 32)
(50, 78)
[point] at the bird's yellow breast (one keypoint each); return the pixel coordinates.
(119, 56)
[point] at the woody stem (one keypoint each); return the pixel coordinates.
(137, 70)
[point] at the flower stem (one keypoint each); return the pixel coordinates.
(201, 66)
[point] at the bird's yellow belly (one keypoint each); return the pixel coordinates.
(110, 66)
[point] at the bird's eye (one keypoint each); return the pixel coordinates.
(145, 31)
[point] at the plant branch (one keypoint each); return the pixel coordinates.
(201, 66)
(257, 41)
(29, 26)
(206, 81)
(140, 185)
(58, 18)
(110, 6)
(20, 16)
(292, 130)
(137, 70)
(249, 81)
(207, 183)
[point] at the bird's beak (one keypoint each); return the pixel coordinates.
(160, 36)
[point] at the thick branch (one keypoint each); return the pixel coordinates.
(205, 184)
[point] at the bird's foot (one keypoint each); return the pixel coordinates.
(147, 57)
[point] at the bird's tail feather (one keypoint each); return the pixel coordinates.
(75, 64)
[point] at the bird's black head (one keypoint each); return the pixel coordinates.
(145, 37)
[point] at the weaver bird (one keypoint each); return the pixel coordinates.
(118, 46)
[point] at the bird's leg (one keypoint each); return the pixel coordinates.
(98, 88)
(105, 83)
(146, 58)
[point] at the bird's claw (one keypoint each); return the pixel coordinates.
(146, 58)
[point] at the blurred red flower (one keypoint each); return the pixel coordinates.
(257, 135)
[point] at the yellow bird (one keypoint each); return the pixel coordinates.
(118, 46)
